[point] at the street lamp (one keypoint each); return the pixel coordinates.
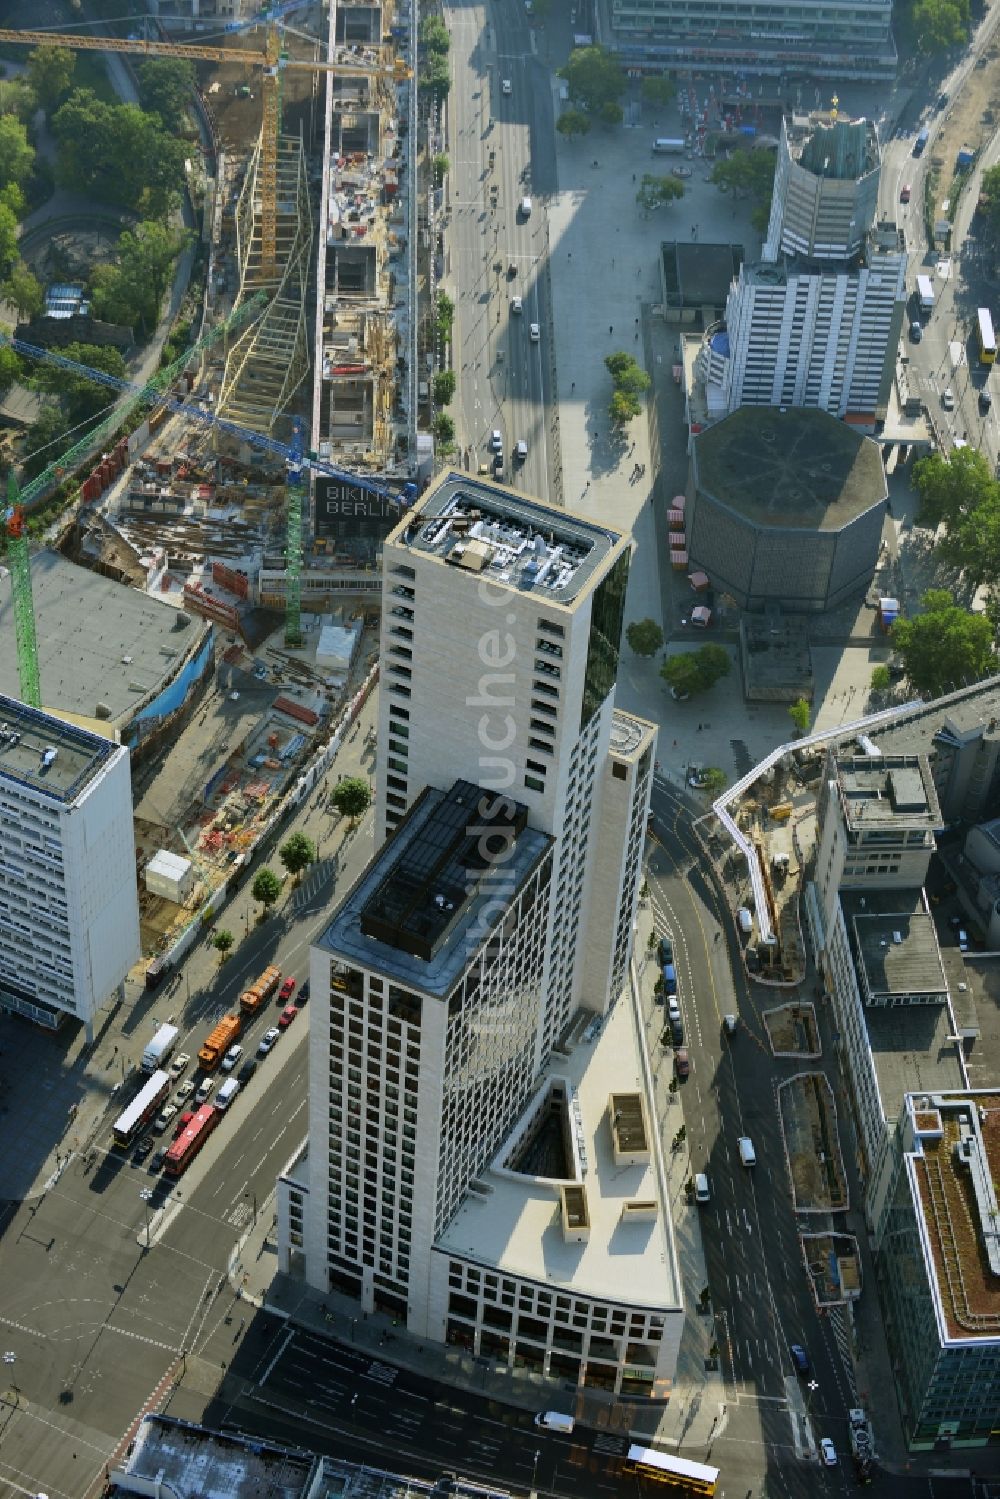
(534, 1466)
(146, 1196)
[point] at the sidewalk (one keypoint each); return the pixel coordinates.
(695, 1412)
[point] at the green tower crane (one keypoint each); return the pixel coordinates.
(24, 608)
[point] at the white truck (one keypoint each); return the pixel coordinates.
(159, 1048)
(925, 294)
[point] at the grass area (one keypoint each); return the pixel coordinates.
(91, 73)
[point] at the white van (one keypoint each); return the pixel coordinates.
(745, 920)
(227, 1092)
(702, 1191)
(747, 1155)
(555, 1421)
(526, 208)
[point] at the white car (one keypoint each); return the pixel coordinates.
(268, 1040)
(505, 86)
(204, 1092)
(180, 1061)
(231, 1058)
(521, 449)
(496, 441)
(516, 304)
(534, 333)
(828, 1452)
(183, 1093)
(948, 399)
(163, 1118)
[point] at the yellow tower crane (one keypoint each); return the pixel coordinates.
(272, 63)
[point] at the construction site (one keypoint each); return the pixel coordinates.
(211, 600)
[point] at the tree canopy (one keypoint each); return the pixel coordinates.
(165, 87)
(656, 191)
(945, 645)
(23, 290)
(118, 153)
(50, 74)
(989, 199)
(266, 888)
(800, 713)
(573, 122)
(657, 91)
(8, 239)
(131, 291)
(352, 797)
(748, 174)
(297, 852)
(434, 74)
(696, 671)
(595, 78)
(630, 380)
(939, 25)
(17, 155)
(83, 397)
(45, 439)
(958, 489)
(644, 637)
(10, 368)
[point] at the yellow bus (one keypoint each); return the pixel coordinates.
(677, 1472)
(987, 338)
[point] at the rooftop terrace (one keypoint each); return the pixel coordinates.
(507, 538)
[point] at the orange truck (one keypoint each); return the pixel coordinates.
(252, 999)
(218, 1042)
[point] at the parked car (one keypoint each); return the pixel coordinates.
(666, 950)
(143, 1149)
(673, 1008)
(232, 1057)
(670, 978)
(682, 1062)
(676, 1030)
(286, 991)
(183, 1093)
(180, 1061)
(163, 1118)
(287, 1015)
(204, 1092)
(267, 1041)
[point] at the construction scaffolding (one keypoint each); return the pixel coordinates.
(267, 364)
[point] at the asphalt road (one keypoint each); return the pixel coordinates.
(496, 252)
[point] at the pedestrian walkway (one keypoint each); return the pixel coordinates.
(695, 1412)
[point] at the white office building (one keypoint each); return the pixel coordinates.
(817, 322)
(69, 913)
(482, 1159)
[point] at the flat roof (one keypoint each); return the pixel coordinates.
(699, 275)
(895, 943)
(99, 642)
(412, 913)
(495, 533)
(629, 734)
(888, 791)
(956, 1163)
(46, 753)
(193, 1462)
(957, 716)
(796, 468)
(517, 1225)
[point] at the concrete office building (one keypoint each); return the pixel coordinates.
(938, 1265)
(481, 1161)
(816, 323)
(69, 914)
(851, 39)
(787, 509)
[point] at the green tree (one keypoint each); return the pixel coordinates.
(83, 397)
(352, 797)
(626, 373)
(989, 199)
(800, 713)
(12, 197)
(439, 166)
(623, 408)
(443, 428)
(952, 485)
(435, 78)
(23, 290)
(573, 122)
(682, 674)
(132, 291)
(118, 153)
(654, 192)
(594, 76)
(266, 888)
(657, 91)
(611, 113)
(749, 174)
(945, 645)
(50, 74)
(297, 852)
(8, 239)
(713, 664)
(17, 97)
(45, 440)
(223, 941)
(444, 387)
(713, 780)
(434, 37)
(445, 314)
(880, 678)
(165, 88)
(10, 368)
(644, 637)
(940, 24)
(17, 155)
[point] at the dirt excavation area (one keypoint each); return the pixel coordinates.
(971, 120)
(809, 1126)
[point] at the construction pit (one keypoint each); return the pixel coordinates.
(808, 1115)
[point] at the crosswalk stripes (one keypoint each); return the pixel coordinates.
(605, 1443)
(317, 877)
(384, 1373)
(838, 1327)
